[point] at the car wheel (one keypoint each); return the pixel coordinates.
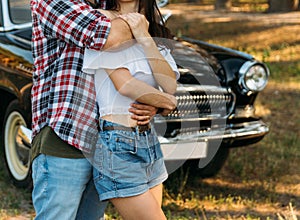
(16, 152)
(212, 168)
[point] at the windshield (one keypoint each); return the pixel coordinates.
(19, 11)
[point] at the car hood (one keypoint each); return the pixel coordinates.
(196, 65)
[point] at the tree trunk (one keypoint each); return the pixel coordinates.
(222, 4)
(283, 5)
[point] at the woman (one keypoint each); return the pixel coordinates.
(129, 167)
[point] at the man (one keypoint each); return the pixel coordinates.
(64, 111)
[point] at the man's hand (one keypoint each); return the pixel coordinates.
(142, 113)
(164, 112)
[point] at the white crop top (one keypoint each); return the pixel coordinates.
(110, 101)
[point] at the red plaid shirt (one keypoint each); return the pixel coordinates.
(63, 97)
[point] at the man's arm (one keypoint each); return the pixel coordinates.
(120, 32)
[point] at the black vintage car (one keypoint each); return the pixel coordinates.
(216, 94)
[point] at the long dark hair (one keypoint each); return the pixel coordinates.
(150, 9)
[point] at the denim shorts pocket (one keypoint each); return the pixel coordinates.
(123, 142)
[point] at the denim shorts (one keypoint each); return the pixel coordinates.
(127, 163)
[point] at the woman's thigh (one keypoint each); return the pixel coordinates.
(140, 207)
(157, 192)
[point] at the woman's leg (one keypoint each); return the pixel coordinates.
(157, 191)
(141, 207)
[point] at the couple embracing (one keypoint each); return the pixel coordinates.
(100, 76)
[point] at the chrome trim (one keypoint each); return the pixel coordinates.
(19, 39)
(199, 103)
(253, 129)
(25, 136)
(245, 112)
(195, 146)
(25, 69)
(8, 25)
(192, 88)
(244, 69)
(162, 3)
(5, 14)
(204, 118)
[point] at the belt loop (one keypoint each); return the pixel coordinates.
(137, 133)
(101, 122)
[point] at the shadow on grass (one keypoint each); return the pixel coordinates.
(258, 181)
(220, 187)
(215, 197)
(199, 28)
(200, 213)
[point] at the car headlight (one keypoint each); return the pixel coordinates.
(253, 77)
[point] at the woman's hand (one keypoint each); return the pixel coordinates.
(139, 26)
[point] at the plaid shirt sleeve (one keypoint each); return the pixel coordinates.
(72, 21)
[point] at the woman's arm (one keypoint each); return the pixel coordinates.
(162, 71)
(140, 91)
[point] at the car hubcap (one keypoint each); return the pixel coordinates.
(17, 154)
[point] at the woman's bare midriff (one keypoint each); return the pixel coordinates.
(124, 120)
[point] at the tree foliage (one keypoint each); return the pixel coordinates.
(273, 5)
(283, 5)
(222, 4)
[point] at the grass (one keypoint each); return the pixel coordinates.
(261, 181)
(272, 38)
(14, 202)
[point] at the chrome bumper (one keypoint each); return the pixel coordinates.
(194, 146)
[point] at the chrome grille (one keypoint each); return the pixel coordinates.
(205, 102)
